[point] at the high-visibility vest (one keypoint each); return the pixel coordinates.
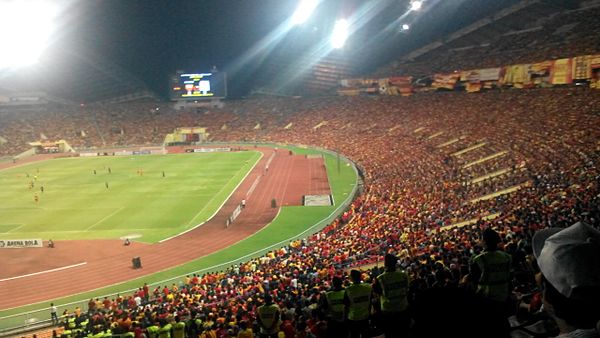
(152, 331)
(165, 331)
(360, 301)
(335, 305)
(267, 317)
(394, 286)
(179, 330)
(495, 274)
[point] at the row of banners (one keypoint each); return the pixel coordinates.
(546, 73)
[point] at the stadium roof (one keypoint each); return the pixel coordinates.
(103, 49)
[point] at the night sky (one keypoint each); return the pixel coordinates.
(149, 40)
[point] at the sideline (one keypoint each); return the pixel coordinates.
(222, 204)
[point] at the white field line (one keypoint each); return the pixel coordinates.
(45, 271)
(104, 218)
(336, 210)
(19, 227)
(222, 204)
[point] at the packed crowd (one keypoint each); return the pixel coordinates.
(563, 34)
(415, 191)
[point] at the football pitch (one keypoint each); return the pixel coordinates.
(147, 197)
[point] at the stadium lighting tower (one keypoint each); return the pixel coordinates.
(416, 5)
(340, 34)
(405, 27)
(304, 11)
(25, 28)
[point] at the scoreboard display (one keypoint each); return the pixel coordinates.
(194, 86)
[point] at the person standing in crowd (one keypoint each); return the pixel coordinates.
(357, 301)
(152, 330)
(267, 316)
(53, 314)
(245, 331)
(570, 278)
(491, 272)
(166, 329)
(178, 328)
(333, 307)
(392, 287)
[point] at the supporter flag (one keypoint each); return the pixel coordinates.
(479, 75)
(383, 86)
(517, 75)
(224, 126)
(582, 68)
(594, 61)
(403, 84)
(595, 75)
(288, 126)
(83, 134)
(43, 137)
(352, 83)
(540, 72)
(257, 126)
(561, 72)
(473, 87)
(2, 140)
(488, 84)
(446, 81)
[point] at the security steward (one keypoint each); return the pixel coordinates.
(491, 270)
(166, 331)
(152, 330)
(392, 287)
(357, 302)
(178, 328)
(491, 273)
(333, 307)
(268, 316)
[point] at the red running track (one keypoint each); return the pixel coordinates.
(108, 262)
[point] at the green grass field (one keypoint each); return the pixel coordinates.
(77, 204)
(292, 222)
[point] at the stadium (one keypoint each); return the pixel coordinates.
(300, 168)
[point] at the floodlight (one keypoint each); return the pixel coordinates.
(416, 5)
(405, 27)
(304, 11)
(340, 33)
(25, 29)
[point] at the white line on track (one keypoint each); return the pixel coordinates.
(45, 271)
(222, 204)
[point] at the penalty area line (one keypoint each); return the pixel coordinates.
(45, 271)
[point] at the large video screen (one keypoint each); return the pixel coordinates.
(199, 85)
